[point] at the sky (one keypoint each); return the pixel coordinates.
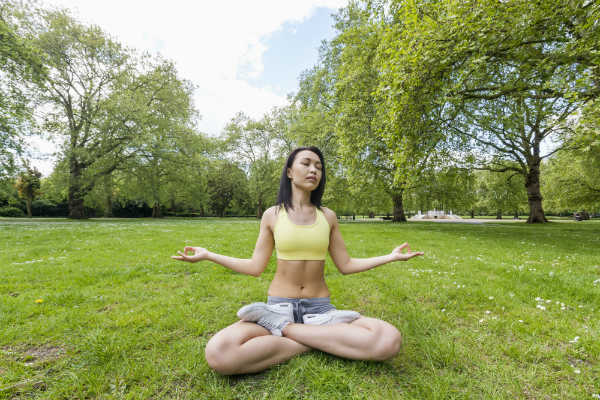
(242, 55)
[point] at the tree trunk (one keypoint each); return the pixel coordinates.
(156, 210)
(472, 213)
(398, 207)
(516, 214)
(534, 196)
(28, 203)
(259, 209)
(108, 189)
(499, 214)
(75, 195)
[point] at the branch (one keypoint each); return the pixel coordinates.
(503, 169)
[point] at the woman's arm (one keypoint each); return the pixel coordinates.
(250, 266)
(347, 265)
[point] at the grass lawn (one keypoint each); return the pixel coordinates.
(97, 309)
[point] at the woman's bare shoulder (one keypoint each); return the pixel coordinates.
(272, 210)
(270, 215)
(329, 215)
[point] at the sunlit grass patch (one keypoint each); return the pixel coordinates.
(491, 311)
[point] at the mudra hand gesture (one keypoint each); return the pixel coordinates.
(399, 255)
(198, 254)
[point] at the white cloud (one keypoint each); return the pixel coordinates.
(216, 45)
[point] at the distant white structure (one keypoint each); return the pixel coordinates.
(436, 214)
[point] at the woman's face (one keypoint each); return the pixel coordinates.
(306, 170)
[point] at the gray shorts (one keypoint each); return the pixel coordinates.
(313, 305)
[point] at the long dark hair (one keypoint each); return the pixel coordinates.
(284, 197)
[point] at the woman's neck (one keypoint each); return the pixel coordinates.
(300, 199)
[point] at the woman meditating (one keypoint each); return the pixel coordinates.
(298, 315)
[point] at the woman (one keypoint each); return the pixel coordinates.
(298, 315)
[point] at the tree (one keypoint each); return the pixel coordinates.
(503, 90)
(501, 192)
(252, 143)
(83, 67)
(28, 185)
(573, 179)
(19, 62)
(165, 135)
(226, 184)
(389, 147)
(448, 189)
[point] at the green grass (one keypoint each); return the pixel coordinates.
(490, 312)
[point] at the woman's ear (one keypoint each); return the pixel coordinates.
(289, 173)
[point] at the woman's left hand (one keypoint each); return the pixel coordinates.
(398, 253)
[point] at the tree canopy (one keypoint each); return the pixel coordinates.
(470, 106)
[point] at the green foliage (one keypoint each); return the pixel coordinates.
(159, 107)
(255, 144)
(500, 90)
(448, 189)
(404, 102)
(573, 181)
(28, 186)
(48, 208)
(8, 193)
(227, 186)
(8, 211)
(83, 67)
(19, 63)
(501, 192)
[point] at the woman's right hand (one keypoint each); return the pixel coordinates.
(198, 254)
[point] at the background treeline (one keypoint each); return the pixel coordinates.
(479, 107)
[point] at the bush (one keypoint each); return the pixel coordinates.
(131, 209)
(47, 208)
(11, 212)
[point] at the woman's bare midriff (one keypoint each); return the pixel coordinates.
(299, 279)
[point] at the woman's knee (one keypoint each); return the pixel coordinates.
(387, 343)
(219, 355)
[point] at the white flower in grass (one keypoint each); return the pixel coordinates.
(488, 312)
(575, 340)
(596, 396)
(551, 273)
(491, 297)
(443, 310)
(481, 320)
(548, 301)
(575, 369)
(539, 299)
(541, 307)
(521, 321)
(597, 281)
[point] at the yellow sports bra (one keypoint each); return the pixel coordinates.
(301, 242)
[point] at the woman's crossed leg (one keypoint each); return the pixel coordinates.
(246, 347)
